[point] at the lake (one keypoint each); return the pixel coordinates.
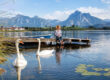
(82, 63)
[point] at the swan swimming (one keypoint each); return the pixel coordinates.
(20, 60)
(44, 53)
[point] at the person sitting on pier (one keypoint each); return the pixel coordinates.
(58, 34)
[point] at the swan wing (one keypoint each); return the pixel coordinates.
(20, 61)
(46, 52)
(46, 56)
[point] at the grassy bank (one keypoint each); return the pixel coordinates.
(5, 48)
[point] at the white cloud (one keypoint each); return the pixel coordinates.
(97, 12)
(60, 15)
(106, 1)
(7, 8)
(8, 14)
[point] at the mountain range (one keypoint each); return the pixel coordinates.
(77, 18)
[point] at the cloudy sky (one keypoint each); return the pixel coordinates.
(54, 9)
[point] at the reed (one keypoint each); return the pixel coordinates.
(5, 48)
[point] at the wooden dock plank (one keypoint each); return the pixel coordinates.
(70, 40)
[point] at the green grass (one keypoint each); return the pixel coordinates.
(5, 49)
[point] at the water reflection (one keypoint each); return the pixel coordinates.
(70, 56)
(67, 34)
(44, 54)
(2, 71)
(39, 64)
(19, 70)
(58, 53)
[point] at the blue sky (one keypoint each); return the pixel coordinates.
(55, 9)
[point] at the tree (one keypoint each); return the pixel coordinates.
(73, 26)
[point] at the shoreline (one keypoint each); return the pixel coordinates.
(5, 49)
(62, 30)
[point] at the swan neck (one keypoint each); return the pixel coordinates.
(17, 48)
(38, 47)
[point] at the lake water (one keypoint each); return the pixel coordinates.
(64, 62)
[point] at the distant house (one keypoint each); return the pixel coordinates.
(19, 28)
(16, 28)
(11, 28)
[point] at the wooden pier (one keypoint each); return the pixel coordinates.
(53, 40)
(68, 42)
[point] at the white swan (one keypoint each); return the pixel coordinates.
(44, 53)
(20, 60)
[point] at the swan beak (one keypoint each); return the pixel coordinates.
(21, 42)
